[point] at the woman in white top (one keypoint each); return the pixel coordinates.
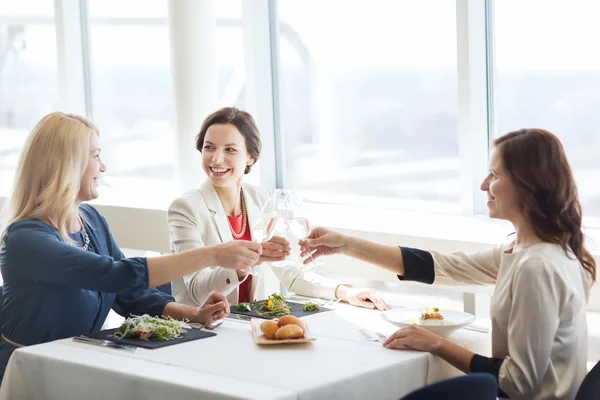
(224, 208)
(542, 278)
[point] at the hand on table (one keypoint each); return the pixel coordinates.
(365, 298)
(414, 338)
(214, 308)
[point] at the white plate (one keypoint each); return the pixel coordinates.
(452, 321)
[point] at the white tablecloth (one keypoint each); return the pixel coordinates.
(340, 364)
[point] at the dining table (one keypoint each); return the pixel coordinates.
(346, 361)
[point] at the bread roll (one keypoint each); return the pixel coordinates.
(289, 331)
(288, 319)
(300, 323)
(269, 328)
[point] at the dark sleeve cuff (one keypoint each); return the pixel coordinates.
(139, 302)
(489, 365)
(418, 265)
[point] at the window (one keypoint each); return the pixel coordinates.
(132, 93)
(547, 75)
(230, 52)
(369, 107)
(132, 100)
(28, 75)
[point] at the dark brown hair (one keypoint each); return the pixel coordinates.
(537, 165)
(245, 124)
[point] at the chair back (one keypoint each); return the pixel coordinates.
(475, 386)
(590, 387)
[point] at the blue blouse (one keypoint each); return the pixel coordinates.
(53, 290)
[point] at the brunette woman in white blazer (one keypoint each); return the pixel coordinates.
(223, 209)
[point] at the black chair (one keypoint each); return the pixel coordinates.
(590, 387)
(475, 386)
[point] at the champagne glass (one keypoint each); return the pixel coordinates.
(264, 227)
(300, 228)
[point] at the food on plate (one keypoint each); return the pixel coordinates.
(431, 314)
(145, 327)
(269, 328)
(310, 306)
(290, 331)
(276, 304)
(243, 307)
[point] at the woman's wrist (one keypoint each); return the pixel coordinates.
(181, 312)
(341, 292)
(439, 346)
(207, 256)
(347, 244)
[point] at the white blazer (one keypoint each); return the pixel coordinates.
(197, 219)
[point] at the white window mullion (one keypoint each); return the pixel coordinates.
(261, 88)
(70, 56)
(473, 101)
(192, 30)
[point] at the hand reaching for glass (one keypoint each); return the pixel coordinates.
(275, 249)
(239, 254)
(322, 242)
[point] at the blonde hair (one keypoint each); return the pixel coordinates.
(48, 175)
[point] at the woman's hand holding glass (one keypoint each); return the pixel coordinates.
(322, 242)
(275, 249)
(239, 254)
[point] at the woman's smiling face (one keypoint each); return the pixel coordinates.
(224, 155)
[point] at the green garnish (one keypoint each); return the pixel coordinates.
(276, 304)
(243, 307)
(147, 327)
(310, 306)
(435, 309)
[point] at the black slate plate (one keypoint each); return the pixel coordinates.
(297, 310)
(189, 335)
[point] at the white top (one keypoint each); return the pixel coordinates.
(197, 219)
(538, 315)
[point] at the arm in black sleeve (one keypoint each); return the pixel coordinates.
(490, 365)
(418, 265)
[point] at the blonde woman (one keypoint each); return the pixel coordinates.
(62, 269)
(223, 210)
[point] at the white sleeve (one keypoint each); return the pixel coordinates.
(186, 233)
(537, 295)
(477, 268)
(307, 283)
